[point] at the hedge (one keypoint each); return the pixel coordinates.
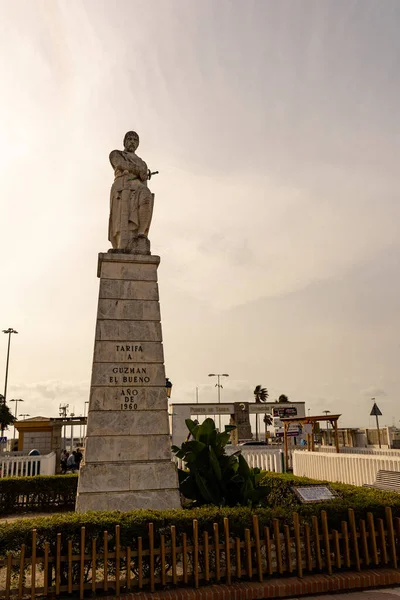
(280, 498)
(37, 494)
(360, 499)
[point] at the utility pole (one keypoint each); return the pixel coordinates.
(218, 385)
(9, 332)
(16, 400)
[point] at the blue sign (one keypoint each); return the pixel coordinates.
(3, 440)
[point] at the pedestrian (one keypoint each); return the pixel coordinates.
(78, 457)
(71, 466)
(63, 461)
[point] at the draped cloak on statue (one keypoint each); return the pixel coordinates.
(129, 193)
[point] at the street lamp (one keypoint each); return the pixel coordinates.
(9, 331)
(219, 386)
(327, 430)
(168, 387)
(24, 415)
(16, 400)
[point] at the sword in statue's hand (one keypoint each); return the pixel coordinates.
(150, 173)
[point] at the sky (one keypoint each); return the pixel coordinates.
(274, 126)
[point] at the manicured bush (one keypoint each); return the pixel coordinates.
(361, 500)
(37, 494)
(281, 503)
(132, 525)
(280, 497)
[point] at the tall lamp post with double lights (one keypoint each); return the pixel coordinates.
(9, 332)
(219, 386)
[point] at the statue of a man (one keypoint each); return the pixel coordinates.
(131, 200)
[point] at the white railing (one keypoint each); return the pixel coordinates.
(266, 459)
(27, 466)
(355, 469)
(368, 450)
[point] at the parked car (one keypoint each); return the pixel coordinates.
(253, 443)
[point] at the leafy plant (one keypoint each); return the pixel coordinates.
(212, 476)
(6, 417)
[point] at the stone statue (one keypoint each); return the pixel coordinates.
(131, 202)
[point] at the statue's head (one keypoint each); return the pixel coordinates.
(131, 141)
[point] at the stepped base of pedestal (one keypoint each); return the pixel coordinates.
(127, 486)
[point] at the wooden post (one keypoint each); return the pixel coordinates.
(285, 440)
(335, 432)
(216, 550)
(151, 557)
(228, 549)
(354, 538)
(297, 541)
(196, 552)
(173, 552)
(256, 532)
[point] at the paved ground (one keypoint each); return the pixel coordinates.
(386, 594)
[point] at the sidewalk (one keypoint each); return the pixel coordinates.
(386, 594)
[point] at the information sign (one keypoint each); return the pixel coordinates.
(314, 493)
(286, 411)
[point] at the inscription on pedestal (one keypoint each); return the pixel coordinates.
(130, 351)
(119, 374)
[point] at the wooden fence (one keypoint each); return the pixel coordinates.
(64, 567)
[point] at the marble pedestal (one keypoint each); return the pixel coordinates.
(128, 450)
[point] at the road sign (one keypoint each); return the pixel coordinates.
(375, 412)
(3, 440)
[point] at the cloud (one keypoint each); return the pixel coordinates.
(373, 392)
(44, 397)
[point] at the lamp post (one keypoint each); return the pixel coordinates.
(327, 430)
(24, 415)
(168, 387)
(219, 386)
(16, 400)
(9, 332)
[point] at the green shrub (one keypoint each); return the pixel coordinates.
(37, 494)
(211, 476)
(132, 525)
(362, 500)
(279, 496)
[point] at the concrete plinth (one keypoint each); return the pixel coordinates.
(128, 450)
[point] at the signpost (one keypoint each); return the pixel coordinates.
(286, 411)
(377, 413)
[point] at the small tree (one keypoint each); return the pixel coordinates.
(261, 395)
(6, 417)
(211, 475)
(283, 398)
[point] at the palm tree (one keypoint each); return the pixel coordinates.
(283, 398)
(261, 395)
(6, 418)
